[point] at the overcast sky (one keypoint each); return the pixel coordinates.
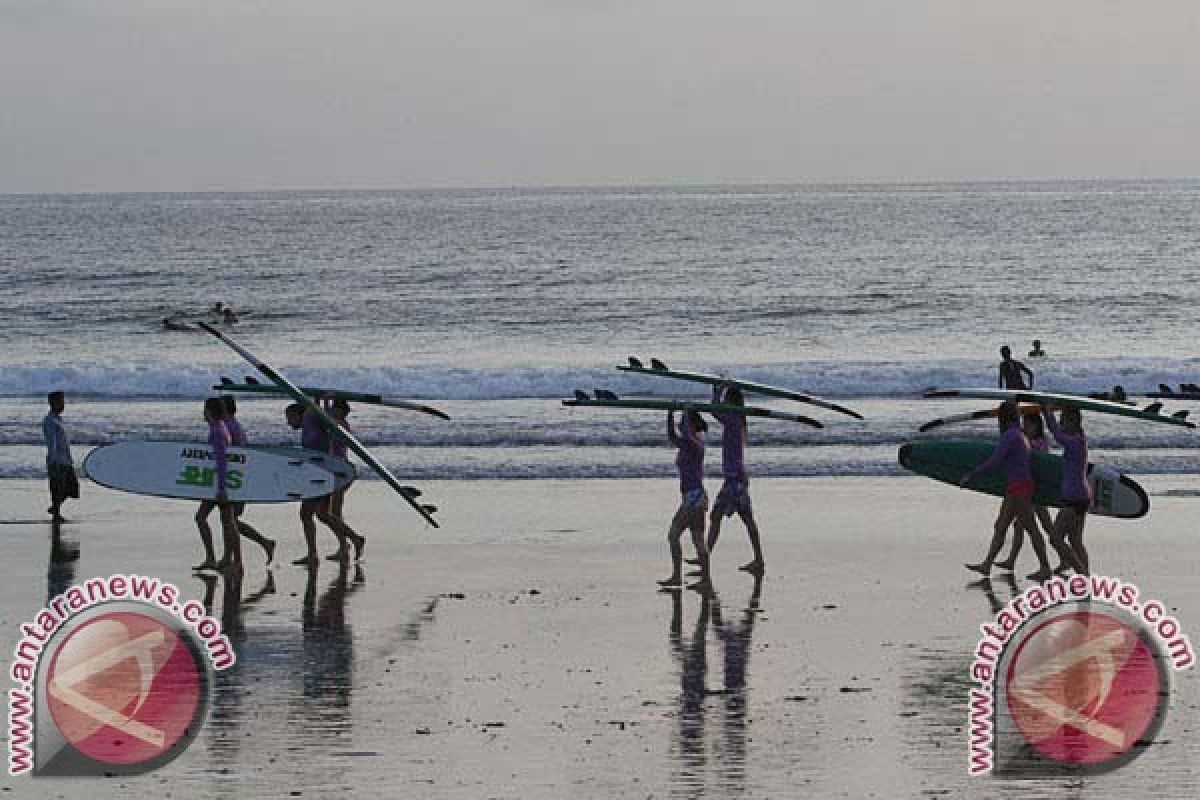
(126, 95)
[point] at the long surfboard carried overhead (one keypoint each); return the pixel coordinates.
(948, 461)
(661, 370)
(253, 387)
(1063, 401)
(407, 492)
(609, 400)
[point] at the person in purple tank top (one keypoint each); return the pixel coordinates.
(1035, 433)
(339, 410)
(238, 435)
(1011, 455)
(734, 497)
(1075, 487)
(689, 460)
(314, 437)
(219, 440)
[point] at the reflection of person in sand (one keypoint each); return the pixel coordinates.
(693, 674)
(328, 642)
(736, 644)
(60, 572)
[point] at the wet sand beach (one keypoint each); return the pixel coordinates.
(522, 651)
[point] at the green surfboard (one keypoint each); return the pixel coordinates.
(655, 404)
(949, 460)
(1063, 401)
(661, 370)
(227, 385)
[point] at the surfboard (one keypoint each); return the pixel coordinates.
(187, 471)
(405, 492)
(1167, 393)
(655, 404)
(987, 413)
(661, 370)
(1064, 401)
(947, 460)
(253, 387)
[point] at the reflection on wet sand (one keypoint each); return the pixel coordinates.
(692, 746)
(64, 556)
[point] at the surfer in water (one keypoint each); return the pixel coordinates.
(339, 409)
(237, 435)
(734, 497)
(693, 506)
(1013, 372)
(219, 440)
(1037, 351)
(314, 437)
(1075, 489)
(1011, 454)
(1035, 434)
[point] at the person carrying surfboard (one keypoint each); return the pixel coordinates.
(1013, 456)
(734, 497)
(689, 460)
(314, 437)
(1013, 372)
(60, 467)
(1075, 489)
(339, 410)
(237, 435)
(219, 440)
(1035, 434)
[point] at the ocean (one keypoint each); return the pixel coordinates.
(496, 304)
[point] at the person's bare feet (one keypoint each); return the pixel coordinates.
(1006, 565)
(360, 544)
(754, 567)
(982, 569)
(207, 565)
(306, 561)
(269, 549)
(1040, 575)
(672, 582)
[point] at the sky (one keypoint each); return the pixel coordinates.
(194, 95)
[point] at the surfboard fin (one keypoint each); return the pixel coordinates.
(605, 394)
(429, 509)
(253, 381)
(1180, 415)
(410, 492)
(656, 364)
(1153, 408)
(1190, 388)
(580, 394)
(635, 363)
(1162, 387)
(225, 381)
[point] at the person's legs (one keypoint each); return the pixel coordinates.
(206, 537)
(758, 564)
(308, 510)
(674, 532)
(1018, 538)
(1075, 537)
(1003, 519)
(248, 531)
(232, 557)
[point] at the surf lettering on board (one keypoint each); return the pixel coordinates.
(207, 477)
(206, 455)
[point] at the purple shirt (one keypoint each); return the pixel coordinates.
(690, 458)
(312, 433)
(218, 440)
(733, 441)
(1075, 456)
(237, 434)
(1012, 453)
(1038, 444)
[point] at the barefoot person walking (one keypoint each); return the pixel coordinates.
(219, 440)
(734, 497)
(314, 437)
(693, 505)
(237, 435)
(1011, 455)
(1069, 523)
(60, 467)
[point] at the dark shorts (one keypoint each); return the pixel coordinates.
(1080, 507)
(734, 498)
(63, 482)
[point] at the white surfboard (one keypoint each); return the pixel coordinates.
(186, 470)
